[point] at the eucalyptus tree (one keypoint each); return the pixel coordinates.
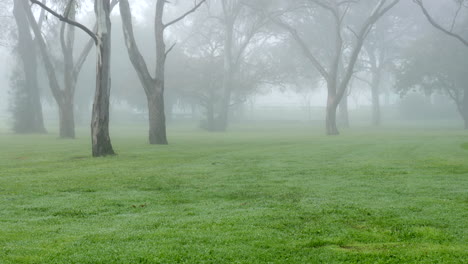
(63, 94)
(344, 54)
(154, 87)
(100, 139)
(27, 109)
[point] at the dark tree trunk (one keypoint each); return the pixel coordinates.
(344, 112)
(157, 119)
(32, 120)
(101, 143)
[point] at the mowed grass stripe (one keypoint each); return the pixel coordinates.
(248, 196)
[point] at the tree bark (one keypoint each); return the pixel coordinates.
(157, 119)
(157, 110)
(33, 119)
(101, 143)
(330, 119)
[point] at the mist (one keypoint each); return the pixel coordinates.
(233, 131)
(279, 76)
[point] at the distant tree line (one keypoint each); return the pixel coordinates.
(220, 52)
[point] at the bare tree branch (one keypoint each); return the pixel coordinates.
(66, 20)
(196, 6)
(431, 20)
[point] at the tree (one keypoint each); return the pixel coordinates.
(448, 31)
(347, 53)
(252, 63)
(154, 87)
(100, 139)
(434, 64)
(242, 23)
(27, 109)
(63, 95)
(381, 51)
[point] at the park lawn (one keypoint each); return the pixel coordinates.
(283, 194)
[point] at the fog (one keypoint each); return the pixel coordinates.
(280, 66)
(233, 131)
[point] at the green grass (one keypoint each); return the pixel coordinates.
(264, 195)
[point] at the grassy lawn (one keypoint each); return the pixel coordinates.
(282, 194)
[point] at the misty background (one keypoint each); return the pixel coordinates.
(276, 82)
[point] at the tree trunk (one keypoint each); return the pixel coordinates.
(158, 123)
(375, 90)
(331, 127)
(222, 121)
(67, 119)
(344, 111)
(157, 119)
(63, 98)
(32, 121)
(101, 143)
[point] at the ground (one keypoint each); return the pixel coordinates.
(274, 194)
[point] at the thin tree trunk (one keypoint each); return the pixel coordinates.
(101, 143)
(34, 121)
(375, 90)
